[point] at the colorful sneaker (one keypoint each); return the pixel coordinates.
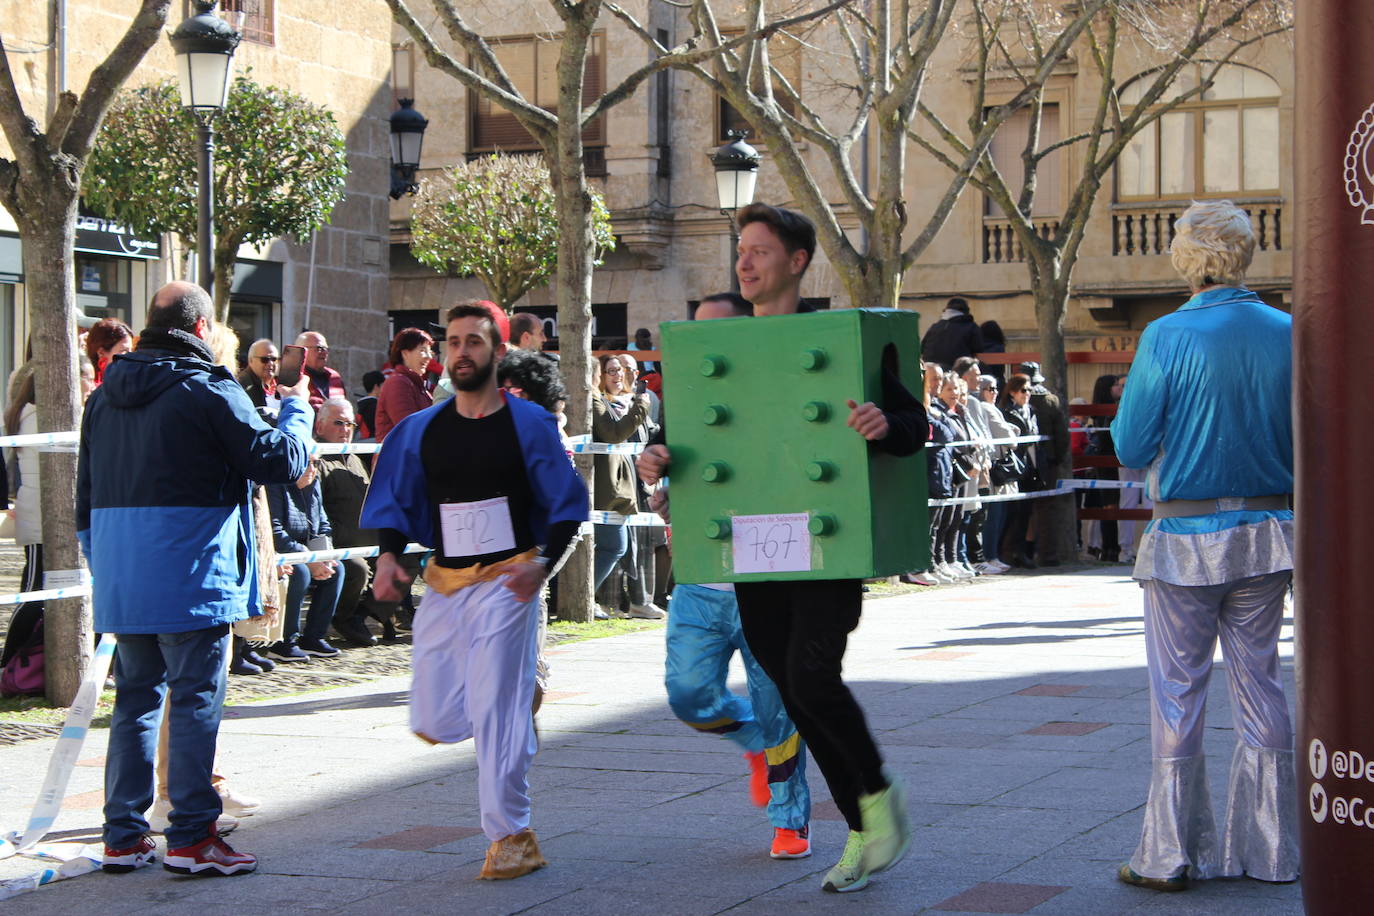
(759, 793)
(791, 844)
(117, 861)
(210, 856)
(849, 874)
(887, 835)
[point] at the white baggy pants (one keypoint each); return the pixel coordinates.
(474, 663)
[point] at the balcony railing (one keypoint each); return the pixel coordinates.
(1149, 229)
(1000, 244)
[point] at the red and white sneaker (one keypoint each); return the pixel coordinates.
(140, 854)
(210, 856)
(791, 844)
(759, 792)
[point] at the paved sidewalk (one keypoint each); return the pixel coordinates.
(1015, 708)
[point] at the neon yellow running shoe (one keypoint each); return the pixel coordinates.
(887, 832)
(849, 874)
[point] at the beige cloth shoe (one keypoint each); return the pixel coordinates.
(512, 856)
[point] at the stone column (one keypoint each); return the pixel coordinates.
(1333, 339)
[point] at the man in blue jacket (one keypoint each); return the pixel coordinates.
(482, 478)
(170, 444)
(1208, 412)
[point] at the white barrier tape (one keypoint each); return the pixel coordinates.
(60, 766)
(76, 859)
(1011, 440)
(340, 553)
(344, 448)
(607, 448)
(1010, 497)
(1080, 483)
(47, 594)
(638, 520)
(40, 439)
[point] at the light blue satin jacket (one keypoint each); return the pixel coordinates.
(1208, 407)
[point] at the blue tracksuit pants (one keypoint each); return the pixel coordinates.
(703, 632)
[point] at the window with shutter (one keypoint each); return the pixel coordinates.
(532, 65)
(784, 54)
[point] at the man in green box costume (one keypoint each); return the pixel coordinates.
(798, 630)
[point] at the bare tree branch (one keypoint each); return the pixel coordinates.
(77, 136)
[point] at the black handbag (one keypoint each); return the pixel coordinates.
(1008, 469)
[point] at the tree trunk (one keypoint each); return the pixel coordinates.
(225, 255)
(50, 284)
(576, 259)
(1058, 535)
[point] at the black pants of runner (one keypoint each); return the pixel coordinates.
(798, 631)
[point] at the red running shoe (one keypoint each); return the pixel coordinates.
(210, 856)
(758, 778)
(140, 854)
(791, 844)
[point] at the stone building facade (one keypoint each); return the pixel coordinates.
(336, 55)
(651, 160)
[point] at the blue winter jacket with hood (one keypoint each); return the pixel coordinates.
(169, 445)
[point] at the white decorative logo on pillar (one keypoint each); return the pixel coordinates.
(1359, 167)
(1316, 758)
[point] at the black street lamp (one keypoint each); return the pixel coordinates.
(737, 169)
(407, 136)
(204, 46)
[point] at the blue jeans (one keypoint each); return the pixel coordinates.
(324, 597)
(703, 633)
(192, 665)
(611, 543)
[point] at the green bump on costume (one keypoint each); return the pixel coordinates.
(776, 390)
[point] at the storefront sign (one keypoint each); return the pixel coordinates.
(95, 235)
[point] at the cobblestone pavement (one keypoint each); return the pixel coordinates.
(1015, 709)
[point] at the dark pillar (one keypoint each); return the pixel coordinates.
(205, 225)
(1333, 343)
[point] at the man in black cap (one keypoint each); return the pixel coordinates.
(956, 334)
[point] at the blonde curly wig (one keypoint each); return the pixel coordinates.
(1213, 244)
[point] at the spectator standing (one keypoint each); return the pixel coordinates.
(367, 405)
(1003, 476)
(614, 489)
(259, 377)
(1102, 535)
(1017, 410)
(325, 382)
(953, 336)
(1053, 422)
(106, 339)
(343, 486)
(21, 419)
(994, 341)
(527, 332)
(168, 410)
(638, 562)
(299, 524)
(404, 392)
(643, 340)
(1216, 560)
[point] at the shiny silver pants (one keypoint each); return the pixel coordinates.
(1182, 625)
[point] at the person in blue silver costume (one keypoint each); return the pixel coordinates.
(703, 632)
(1208, 412)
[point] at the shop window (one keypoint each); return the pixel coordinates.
(1222, 142)
(532, 65)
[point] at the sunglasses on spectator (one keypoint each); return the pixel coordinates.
(345, 423)
(268, 359)
(319, 349)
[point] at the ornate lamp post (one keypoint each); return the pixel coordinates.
(204, 46)
(407, 136)
(737, 169)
